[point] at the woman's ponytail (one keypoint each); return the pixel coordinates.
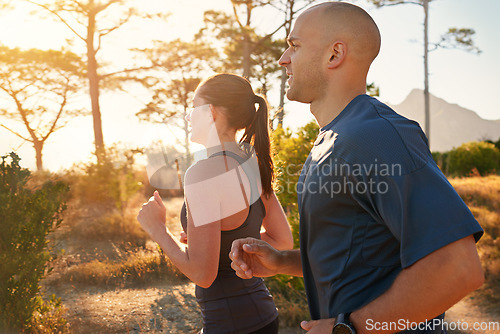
(235, 94)
(257, 134)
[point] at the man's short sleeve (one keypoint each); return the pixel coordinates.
(423, 211)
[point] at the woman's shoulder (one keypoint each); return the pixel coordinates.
(209, 168)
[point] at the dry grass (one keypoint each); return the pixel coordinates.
(482, 196)
(104, 248)
(134, 268)
(479, 191)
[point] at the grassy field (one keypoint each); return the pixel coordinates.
(482, 196)
(106, 250)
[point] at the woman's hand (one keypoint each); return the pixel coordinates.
(152, 216)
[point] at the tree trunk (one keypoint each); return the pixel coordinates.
(288, 28)
(247, 50)
(94, 88)
(247, 47)
(426, 71)
(38, 145)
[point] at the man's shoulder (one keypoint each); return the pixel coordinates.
(375, 117)
(373, 130)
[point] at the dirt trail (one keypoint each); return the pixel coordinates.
(166, 308)
(161, 308)
(463, 316)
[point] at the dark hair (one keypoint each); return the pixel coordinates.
(235, 94)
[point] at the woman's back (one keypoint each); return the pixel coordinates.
(231, 304)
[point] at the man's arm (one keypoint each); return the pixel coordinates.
(420, 292)
(253, 257)
(427, 288)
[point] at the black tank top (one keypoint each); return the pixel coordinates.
(232, 304)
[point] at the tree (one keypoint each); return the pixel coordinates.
(179, 68)
(39, 85)
(83, 18)
(481, 158)
(453, 38)
(289, 9)
(27, 217)
(244, 50)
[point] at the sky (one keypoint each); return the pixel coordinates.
(456, 76)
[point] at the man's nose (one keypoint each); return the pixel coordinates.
(285, 58)
(188, 116)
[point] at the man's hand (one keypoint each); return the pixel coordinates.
(183, 238)
(323, 326)
(253, 257)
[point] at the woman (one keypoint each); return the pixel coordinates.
(227, 196)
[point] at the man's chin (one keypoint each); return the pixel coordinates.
(293, 96)
(290, 94)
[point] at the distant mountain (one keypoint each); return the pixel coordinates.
(451, 125)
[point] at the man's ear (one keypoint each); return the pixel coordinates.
(338, 52)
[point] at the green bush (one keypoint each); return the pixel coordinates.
(441, 160)
(290, 299)
(48, 317)
(290, 154)
(472, 158)
(27, 216)
(108, 184)
(496, 143)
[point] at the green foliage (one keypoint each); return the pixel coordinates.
(27, 217)
(496, 143)
(290, 298)
(459, 38)
(474, 157)
(372, 89)
(290, 154)
(109, 183)
(441, 160)
(48, 317)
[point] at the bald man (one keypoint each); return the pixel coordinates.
(386, 244)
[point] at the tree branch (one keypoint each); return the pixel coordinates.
(126, 71)
(59, 17)
(237, 18)
(17, 134)
(106, 5)
(61, 109)
(402, 2)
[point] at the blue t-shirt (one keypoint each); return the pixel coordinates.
(372, 201)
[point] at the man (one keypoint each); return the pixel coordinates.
(386, 242)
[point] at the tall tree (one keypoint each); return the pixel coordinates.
(289, 8)
(244, 51)
(248, 40)
(90, 21)
(179, 68)
(39, 85)
(453, 38)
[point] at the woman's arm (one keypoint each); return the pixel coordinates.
(201, 262)
(277, 231)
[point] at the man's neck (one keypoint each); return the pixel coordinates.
(327, 109)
